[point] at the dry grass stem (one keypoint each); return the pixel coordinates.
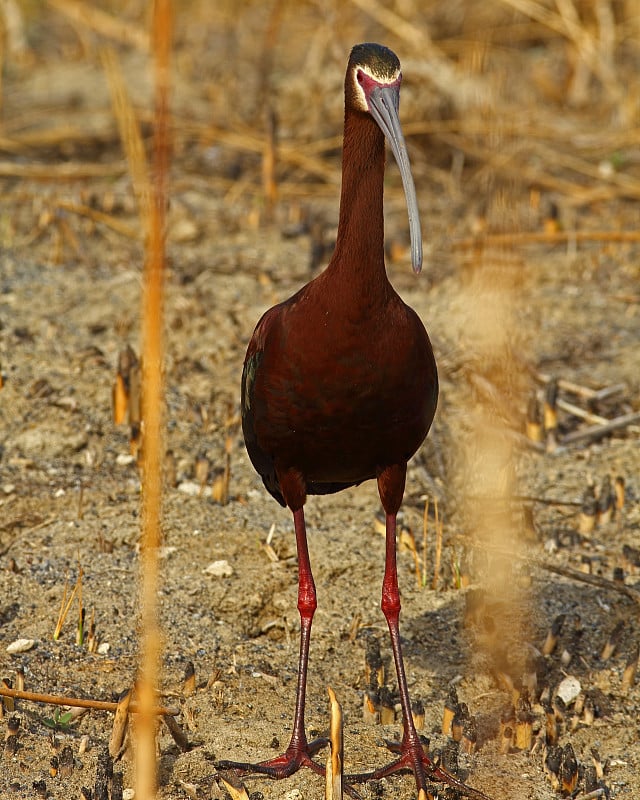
(80, 702)
(408, 540)
(66, 171)
(567, 572)
(582, 413)
(631, 667)
(92, 639)
(425, 531)
(130, 135)
(612, 642)
(81, 611)
(432, 63)
(334, 766)
(152, 393)
(586, 392)
(235, 792)
(107, 25)
(14, 37)
(59, 136)
(99, 217)
(595, 432)
(512, 164)
(177, 734)
(438, 556)
(189, 681)
(120, 723)
(295, 154)
(268, 547)
(66, 604)
(8, 703)
(567, 23)
(546, 237)
(269, 162)
(534, 419)
(594, 580)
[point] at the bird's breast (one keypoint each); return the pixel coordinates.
(337, 395)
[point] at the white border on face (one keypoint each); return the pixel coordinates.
(360, 96)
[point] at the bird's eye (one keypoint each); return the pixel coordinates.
(360, 77)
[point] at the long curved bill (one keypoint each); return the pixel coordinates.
(384, 102)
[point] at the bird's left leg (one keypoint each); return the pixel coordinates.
(412, 755)
(300, 752)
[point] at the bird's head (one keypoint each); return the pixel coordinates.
(372, 66)
(373, 87)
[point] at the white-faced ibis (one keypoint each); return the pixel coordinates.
(340, 386)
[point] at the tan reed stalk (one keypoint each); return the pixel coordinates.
(333, 774)
(152, 403)
(425, 531)
(130, 136)
(78, 702)
(438, 556)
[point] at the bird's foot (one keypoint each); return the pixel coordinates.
(294, 758)
(413, 757)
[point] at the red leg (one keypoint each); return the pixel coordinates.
(299, 752)
(412, 755)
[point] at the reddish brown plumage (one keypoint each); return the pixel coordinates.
(340, 384)
(340, 380)
(318, 401)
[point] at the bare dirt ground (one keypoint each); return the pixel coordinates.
(533, 130)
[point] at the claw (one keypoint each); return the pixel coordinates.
(443, 776)
(422, 767)
(293, 759)
(285, 765)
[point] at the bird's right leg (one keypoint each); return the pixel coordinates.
(410, 751)
(300, 752)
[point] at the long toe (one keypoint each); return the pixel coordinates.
(415, 759)
(293, 759)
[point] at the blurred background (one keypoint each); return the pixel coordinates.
(522, 119)
(536, 100)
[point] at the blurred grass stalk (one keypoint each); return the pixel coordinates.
(495, 333)
(152, 400)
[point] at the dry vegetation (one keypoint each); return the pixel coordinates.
(520, 548)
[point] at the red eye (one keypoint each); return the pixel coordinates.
(360, 77)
